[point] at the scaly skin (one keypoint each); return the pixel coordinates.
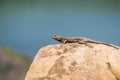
(80, 40)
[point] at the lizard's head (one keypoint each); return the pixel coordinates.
(56, 37)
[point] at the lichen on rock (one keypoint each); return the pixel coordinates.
(73, 61)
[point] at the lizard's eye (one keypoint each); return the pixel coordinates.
(55, 36)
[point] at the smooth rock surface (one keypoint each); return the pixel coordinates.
(74, 61)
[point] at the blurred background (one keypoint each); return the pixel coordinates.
(27, 25)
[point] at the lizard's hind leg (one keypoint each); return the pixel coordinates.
(81, 42)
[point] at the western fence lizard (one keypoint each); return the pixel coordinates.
(80, 40)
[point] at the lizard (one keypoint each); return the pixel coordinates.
(80, 40)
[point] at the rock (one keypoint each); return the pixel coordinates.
(74, 61)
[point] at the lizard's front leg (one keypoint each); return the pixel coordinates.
(64, 41)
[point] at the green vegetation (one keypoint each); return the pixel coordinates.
(18, 57)
(52, 3)
(13, 63)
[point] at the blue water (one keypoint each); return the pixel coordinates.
(27, 30)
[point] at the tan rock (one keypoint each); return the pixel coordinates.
(74, 61)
